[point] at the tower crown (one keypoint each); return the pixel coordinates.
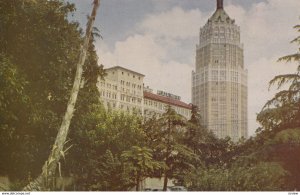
(220, 4)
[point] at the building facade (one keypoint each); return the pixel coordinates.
(219, 82)
(123, 89)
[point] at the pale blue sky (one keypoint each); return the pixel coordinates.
(158, 38)
(117, 18)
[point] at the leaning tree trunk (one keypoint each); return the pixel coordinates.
(49, 168)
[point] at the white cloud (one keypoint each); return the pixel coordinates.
(163, 48)
(158, 49)
(266, 30)
(176, 23)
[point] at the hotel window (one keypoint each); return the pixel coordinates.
(127, 98)
(122, 97)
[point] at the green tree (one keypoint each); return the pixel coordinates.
(141, 163)
(93, 136)
(263, 176)
(13, 113)
(39, 50)
(57, 151)
(40, 47)
(283, 111)
(204, 143)
(165, 136)
(280, 120)
(108, 175)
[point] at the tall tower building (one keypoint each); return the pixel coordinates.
(219, 82)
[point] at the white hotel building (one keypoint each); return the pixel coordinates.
(123, 89)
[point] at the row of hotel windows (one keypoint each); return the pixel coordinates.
(112, 95)
(161, 106)
(108, 95)
(146, 112)
(131, 99)
(139, 87)
(154, 104)
(131, 91)
(122, 106)
(128, 74)
(115, 87)
(108, 85)
(135, 100)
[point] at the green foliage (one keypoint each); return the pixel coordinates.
(140, 162)
(285, 148)
(280, 120)
(165, 135)
(283, 111)
(39, 49)
(265, 176)
(109, 175)
(99, 139)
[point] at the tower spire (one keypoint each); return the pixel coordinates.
(220, 4)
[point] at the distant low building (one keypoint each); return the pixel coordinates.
(156, 104)
(123, 89)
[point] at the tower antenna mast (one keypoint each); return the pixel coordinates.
(220, 4)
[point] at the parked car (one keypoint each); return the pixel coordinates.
(178, 188)
(157, 190)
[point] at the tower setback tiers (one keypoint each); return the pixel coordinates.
(219, 82)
